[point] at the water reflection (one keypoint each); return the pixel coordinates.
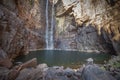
(63, 58)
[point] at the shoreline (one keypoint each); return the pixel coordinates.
(87, 51)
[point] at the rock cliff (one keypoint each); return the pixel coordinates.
(85, 25)
(88, 25)
(21, 26)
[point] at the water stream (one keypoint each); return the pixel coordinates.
(46, 35)
(52, 28)
(49, 29)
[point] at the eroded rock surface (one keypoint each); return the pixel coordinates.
(21, 26)
(102, 15)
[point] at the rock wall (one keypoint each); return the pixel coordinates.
(85, 25)
(88, 25)
(21, 26)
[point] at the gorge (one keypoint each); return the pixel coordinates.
(65, 27)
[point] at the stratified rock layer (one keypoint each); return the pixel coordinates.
(82, 15)
(21, 26)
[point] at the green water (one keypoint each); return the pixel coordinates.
(71, 59)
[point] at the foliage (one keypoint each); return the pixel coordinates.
(115, 62)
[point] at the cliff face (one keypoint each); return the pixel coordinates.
(88, 25)
(21, 26)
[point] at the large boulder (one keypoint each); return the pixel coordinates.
(4, 60)
(4, 73)
(30, 63)
(93, 72)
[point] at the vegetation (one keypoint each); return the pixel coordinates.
(113, 64)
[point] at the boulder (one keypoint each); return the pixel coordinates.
(43, 66)
(30, 63)
(52, 74)
(93, 72)
(89, 61)
(4, 73)
(16, 70)
(4, 60)
(68, 72)
(13, 74)
(22, 69)
(5, 63)
(24, 74)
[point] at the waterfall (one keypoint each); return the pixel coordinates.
(49, 29)
(46, 35)
(52, 27)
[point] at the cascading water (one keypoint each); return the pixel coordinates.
(49, 29)
(46, 35)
